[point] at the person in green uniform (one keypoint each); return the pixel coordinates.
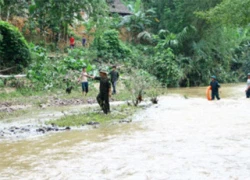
(104, 90)
(114, 76)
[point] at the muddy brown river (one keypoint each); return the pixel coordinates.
(183, 137)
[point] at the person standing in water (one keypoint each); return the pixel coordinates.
(104, 90)
(215, 88)
(84, 79)
(248, 86)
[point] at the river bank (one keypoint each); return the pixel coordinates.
(24, 116)
(57, 119)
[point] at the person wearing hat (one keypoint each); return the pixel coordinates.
(248, 86)
(104, 90)
(215, 88)
(114, 76)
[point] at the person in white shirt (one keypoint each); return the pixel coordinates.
(84, 80)
(248, 86)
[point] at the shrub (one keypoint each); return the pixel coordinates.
(61, 72)
(14, 50)
(164, 66)
(110, 48)
(138, 82)
(1, 83)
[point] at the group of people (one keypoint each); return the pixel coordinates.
(215, 87)
(72, 42)
(104, 88)
(106, 83)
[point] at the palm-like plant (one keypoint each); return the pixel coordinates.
(137, 24)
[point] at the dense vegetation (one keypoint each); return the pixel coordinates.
(14, 50)
(180, 42)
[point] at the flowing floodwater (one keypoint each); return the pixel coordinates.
(183, 137)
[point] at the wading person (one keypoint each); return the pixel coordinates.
(114, 76)
(215, 88)
(104, 91)
(84, 80)
(248, 86)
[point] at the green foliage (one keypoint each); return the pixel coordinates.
(229, 12)
(58, 15)
(47, 74)
(174, 15)
(201, 49)
(165, 67)
(1, 83)
(140, 83)
(75, 61)
(11, 8)
(138, 24)
(181, 42)
(14, 50)
(110, 48)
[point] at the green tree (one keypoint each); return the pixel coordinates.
(138, 24)
(14, 50)
(174, 15)
(10, 8)
(58, 15)
(229, 12)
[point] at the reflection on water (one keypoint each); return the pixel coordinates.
(177, 139)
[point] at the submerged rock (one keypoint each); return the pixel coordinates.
(25, 129)
(125, 121)
(154, 100)
(67, 128)
(92, 123)
(14, 127)
(42, 130)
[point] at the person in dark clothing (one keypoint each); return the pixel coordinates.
(84, 41)
(215, 88)
(114, 76)
(104, 91)
(248, 86)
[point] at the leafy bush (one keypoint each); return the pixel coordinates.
(159, 61)
(14, 50)
(110, 48)
(1, 83)
(46, 74)
(165, 67)
(137, 84)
